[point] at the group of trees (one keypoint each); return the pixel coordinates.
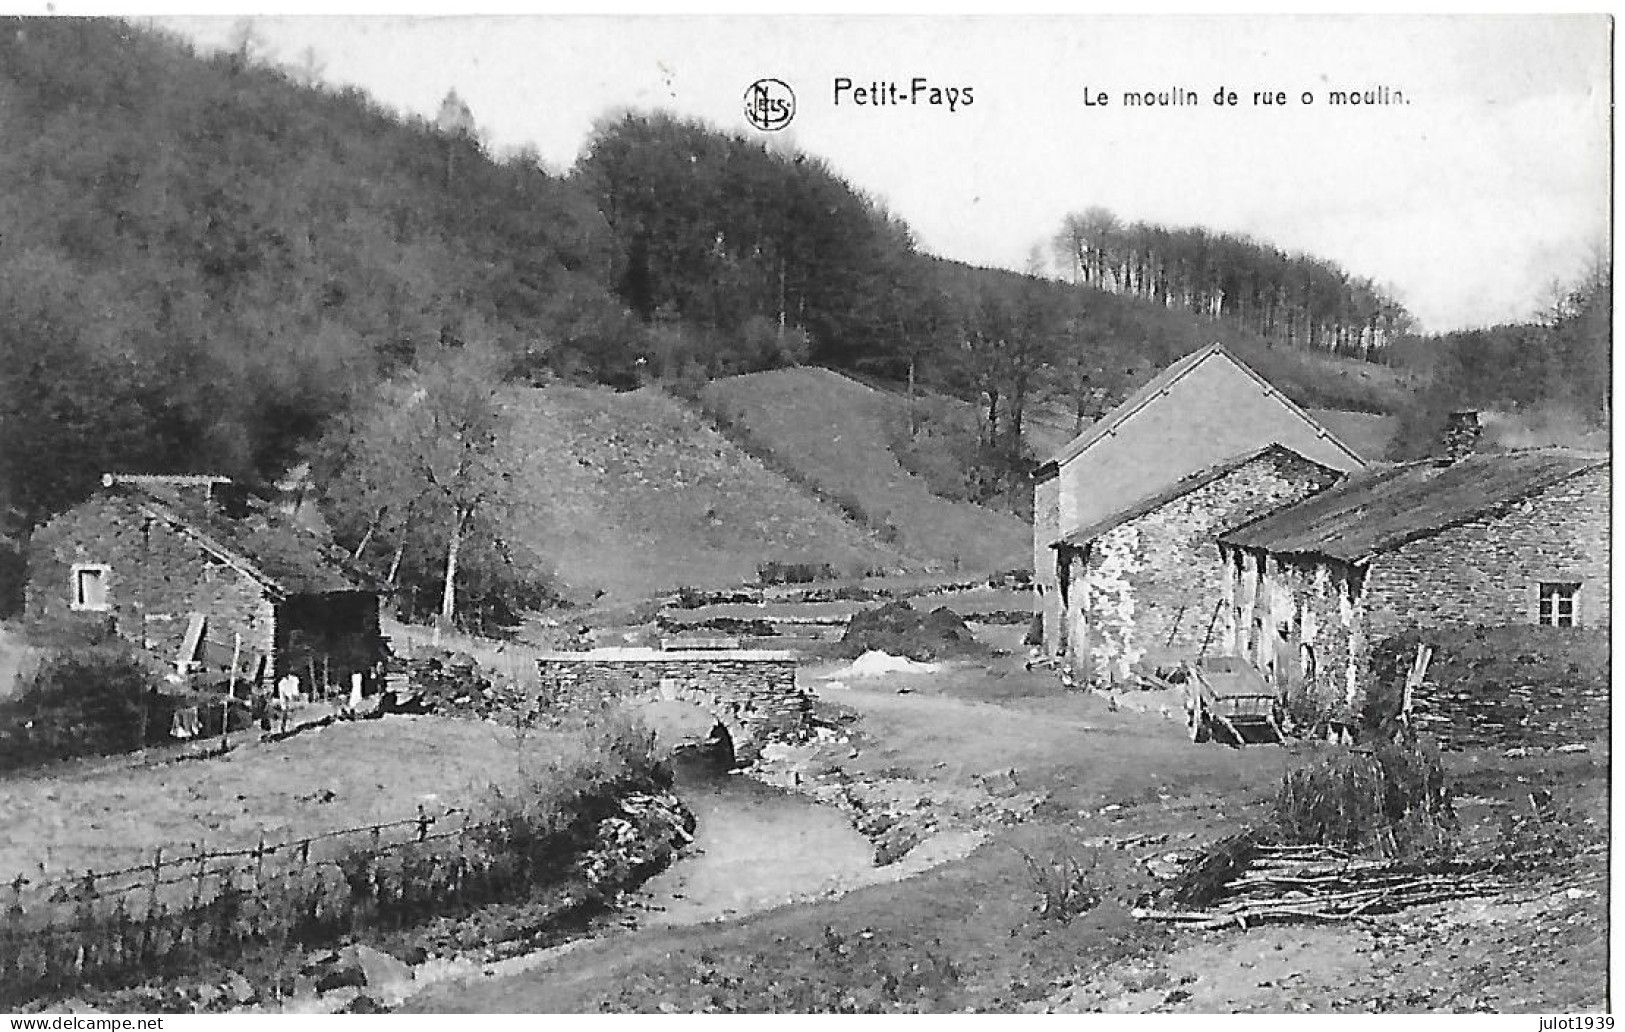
(202, 263)
(1554, 369)
(1297, 299)
(744, 257)
(415, 481)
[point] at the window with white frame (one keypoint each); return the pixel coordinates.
(1557, 604)
(89, 587)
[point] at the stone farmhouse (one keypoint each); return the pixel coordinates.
(1483, 540)
(187, 568)
(1126, 516)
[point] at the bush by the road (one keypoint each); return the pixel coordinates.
(1393, 799)
(83, 701)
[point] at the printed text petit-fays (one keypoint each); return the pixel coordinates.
(916, 92)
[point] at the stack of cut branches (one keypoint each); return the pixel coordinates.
(1284, 883)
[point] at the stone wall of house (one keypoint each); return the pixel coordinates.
(1484, 574)
(1488, 572)
(157, 576)
(1046, 583)
(1153, 583)
(1301, 622)
(753, 694)
(1523, 686)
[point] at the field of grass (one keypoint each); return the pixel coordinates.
(835, 432)
(632, 494)
(105, 815)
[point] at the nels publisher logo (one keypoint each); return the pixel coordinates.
(769, 104)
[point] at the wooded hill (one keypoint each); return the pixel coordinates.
(210, 263)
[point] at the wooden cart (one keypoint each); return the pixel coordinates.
(1225, 694)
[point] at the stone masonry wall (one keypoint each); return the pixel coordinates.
(753, 694)
(1482, 574)
(1153, 582)
(1487, 573)
(1301, 623)
(156, 577)
(1046, 583)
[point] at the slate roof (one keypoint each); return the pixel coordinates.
(263, 544)
(1199, 479)
(1382, 509)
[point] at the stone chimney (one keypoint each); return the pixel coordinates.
(1461, 433)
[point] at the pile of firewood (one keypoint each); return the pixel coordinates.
(1244, 882)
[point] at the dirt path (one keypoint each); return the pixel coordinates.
(1544, 952)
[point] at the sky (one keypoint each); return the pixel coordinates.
(1488, 186)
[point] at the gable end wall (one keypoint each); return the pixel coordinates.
(157, 576)
(1153, 583)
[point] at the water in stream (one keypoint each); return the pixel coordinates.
(754, 847)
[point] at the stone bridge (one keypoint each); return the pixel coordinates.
(753, 694)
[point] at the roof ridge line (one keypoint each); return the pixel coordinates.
(1119, 415)
(231, 555)
(1291, 405)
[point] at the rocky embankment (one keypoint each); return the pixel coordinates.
(906, 818)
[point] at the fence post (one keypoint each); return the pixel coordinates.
(157, 869)
(194, 916)
(202, 860)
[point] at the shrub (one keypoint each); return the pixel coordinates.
(1393, 799)
(1548, 837)
(1065, 886)
(84, 701)
(774, 572)
(1309, 712)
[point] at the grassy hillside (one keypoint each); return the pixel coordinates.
(632, 494)
(835, 433)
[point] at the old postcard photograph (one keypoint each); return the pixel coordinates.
(821, 514)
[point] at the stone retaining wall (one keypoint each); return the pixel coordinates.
(752, 693)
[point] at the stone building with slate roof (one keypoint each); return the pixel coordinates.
(1126, 516)
(1140, 586)
(192, 570)
(1480, 540)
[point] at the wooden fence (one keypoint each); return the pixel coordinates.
(175, 912)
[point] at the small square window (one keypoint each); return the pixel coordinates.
(89, 587)
(1556, 607)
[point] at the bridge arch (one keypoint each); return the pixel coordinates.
(746, 748)
(752, 694)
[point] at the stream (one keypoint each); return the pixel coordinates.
(755, 847)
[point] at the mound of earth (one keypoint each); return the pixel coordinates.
(902, 630)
